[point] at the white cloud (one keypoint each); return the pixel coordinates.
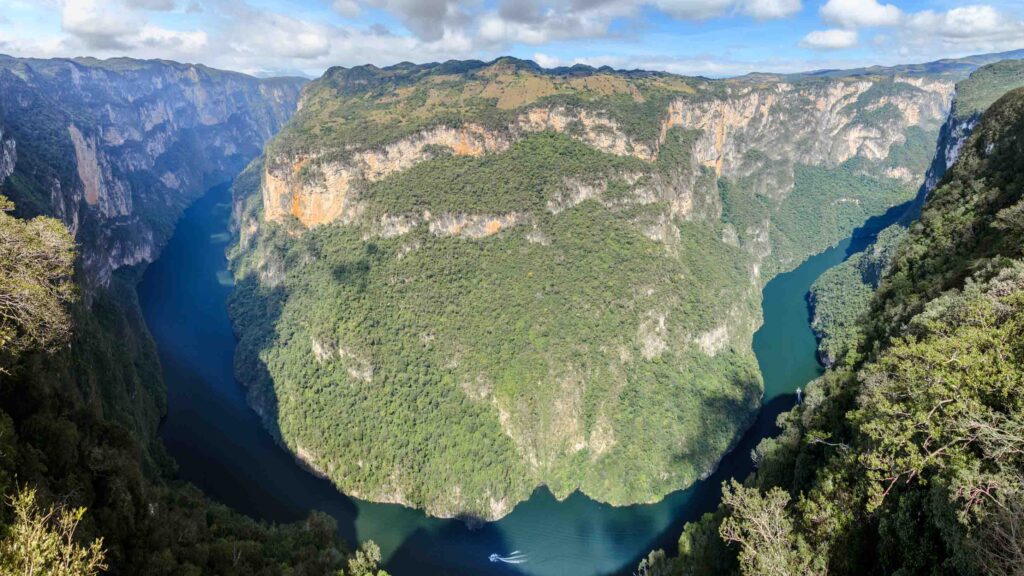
(430, 20)
(179, 42)
(120, 26)
(771, 9)
(694, 9)
(269, 33)
(547, 61)
(162, 5)
(967, 29)
(831, 39)
(497, 30)
(706, 9)
(918, 35)
(97, 25)
(967, 22)
(860, 13)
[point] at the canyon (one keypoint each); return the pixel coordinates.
(456, 284)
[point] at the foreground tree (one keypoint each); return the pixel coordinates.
(42, 541)
(36, 263)
(761, 527)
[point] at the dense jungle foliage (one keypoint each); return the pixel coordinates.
(840, 199)
(841, 295)
(429, 333)
(985, 85)
(905, 458)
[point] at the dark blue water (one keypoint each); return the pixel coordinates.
(221, 446)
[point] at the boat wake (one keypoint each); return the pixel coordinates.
(516, 557)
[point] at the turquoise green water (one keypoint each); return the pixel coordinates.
(221, 446)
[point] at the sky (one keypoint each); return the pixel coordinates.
(712, 38)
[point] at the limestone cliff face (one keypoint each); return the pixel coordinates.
(318, 191)
(116, 149)
(759, 131)
(817, 124)
(8, 156)
(954, 134)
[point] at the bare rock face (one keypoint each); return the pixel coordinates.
(8, 156)
(102, 191)
(952, 138)
(120, 147)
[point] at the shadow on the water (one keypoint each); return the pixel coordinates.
(864, 235)
(430, 551)
(217, 441)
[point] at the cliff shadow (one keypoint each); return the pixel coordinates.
(218, 441)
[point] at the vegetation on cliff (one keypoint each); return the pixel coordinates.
(905, 457)
(457, 282)
(428, 336)
(842, 294)
(985, 85)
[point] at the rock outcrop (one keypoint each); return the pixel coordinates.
(8, 156)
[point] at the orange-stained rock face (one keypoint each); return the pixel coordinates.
(319, 193)
(492, 227)
(313, 203)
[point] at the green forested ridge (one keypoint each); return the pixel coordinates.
(905, 458)
(572, 306)
(842, 294)
(985, 85)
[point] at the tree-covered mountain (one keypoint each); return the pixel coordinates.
(457, 282)
(100, 159)
(904, 458)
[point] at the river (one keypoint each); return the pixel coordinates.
(221, 446)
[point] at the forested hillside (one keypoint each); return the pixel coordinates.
(457, 282)
(905, 457)
(81, 391)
